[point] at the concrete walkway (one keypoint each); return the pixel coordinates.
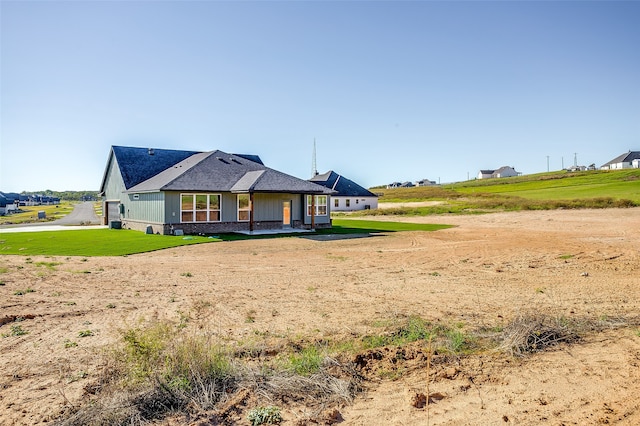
(42, 228)
(275, 231)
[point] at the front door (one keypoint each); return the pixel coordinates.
(286, 214)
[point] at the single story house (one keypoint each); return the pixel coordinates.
(400, 185)
(628, 160)
(9, 202)
(164, 191)
(504, 171)
(425, 182)
(348, 196)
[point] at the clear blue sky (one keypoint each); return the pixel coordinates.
(391, 91)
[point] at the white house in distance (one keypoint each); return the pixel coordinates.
(628, 160)
(349, 196)
(504, 171)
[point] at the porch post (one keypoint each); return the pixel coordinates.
(313, 211)
(250, 211)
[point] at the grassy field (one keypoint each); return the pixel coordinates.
(90, 242)
(347, 226)
(618, 184)
(590, 189)
(112, 242)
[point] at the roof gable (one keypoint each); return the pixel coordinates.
(627, 157)
(139, 164)
(343, 186)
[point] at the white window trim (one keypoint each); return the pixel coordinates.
(238, 210)
(317, 205)
(194, 194)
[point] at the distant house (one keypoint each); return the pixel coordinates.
(349, 196)
(425, 182)
(9, 202)
(400, 185)
(504, 171)
(580, 168)
(628, 160)
(164, 191)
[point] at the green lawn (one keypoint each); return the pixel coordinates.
(30, 214)
(354, 226)
(541, 191)
(617, 184)
(91, 242)
(120, 242)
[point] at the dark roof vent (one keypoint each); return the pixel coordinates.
(236, 161)
(223, 160)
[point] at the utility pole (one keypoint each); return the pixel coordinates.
(562, 163)
(575, 159)
(547, 164)
(314, 169)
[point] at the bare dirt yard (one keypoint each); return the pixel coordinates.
(482, 274)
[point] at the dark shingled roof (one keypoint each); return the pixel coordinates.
(343, 186)
(139, 164)
(627, 157)
(220, 171)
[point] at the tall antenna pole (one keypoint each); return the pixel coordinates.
(314, 169)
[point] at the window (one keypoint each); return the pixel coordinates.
(200, 207)
(321, 205)
(336, 202)
(347, 202)
(244, 207)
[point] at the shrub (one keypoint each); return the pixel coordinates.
(536, 332)
(264, 415)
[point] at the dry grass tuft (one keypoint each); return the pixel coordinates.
(162, 369)
(535, 332)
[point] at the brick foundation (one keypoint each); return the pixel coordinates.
(212, 228)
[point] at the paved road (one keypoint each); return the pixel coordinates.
(82, 214)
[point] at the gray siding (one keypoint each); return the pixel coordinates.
(114, 185)
(145, 207)
(319, 220)
(269, 206)
(229, 207)
(156, 208)
(171, 207)
(228, 204)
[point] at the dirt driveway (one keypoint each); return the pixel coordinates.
(484, 272)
